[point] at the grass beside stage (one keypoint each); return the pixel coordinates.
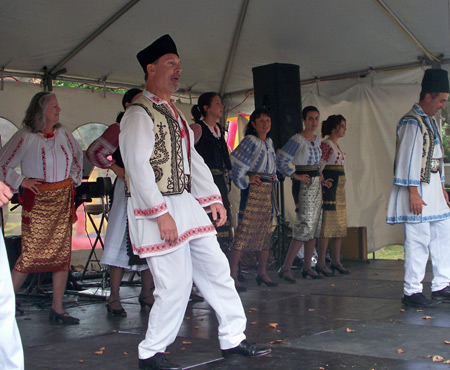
(391, 252)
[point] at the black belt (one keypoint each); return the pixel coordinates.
(312, 171)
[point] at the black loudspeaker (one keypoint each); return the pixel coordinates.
(277, 89)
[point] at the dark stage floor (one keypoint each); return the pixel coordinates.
(345, 322)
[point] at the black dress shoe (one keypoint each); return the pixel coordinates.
(311, 273)
(285, 277)
(144, 302)
(158, 362)
(115, 312)
(342, 270)
(260, 280)
(325, 271)
(418, 300)
(246, 349)
(441, 295)
(63, 318)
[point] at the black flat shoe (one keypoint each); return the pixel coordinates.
(115, 312)
(260, 281)
(158, 362)
(325, 271)
(311, 273)
(285, 277)
(144, 303)
(340, 268)
(63, 318)
(246, 349)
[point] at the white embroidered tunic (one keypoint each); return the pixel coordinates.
(146, 203)
(300, 152)
(407, 173)
(252, 155)
(332, 154)
(52, 159)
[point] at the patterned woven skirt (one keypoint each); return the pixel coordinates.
(308, 210)
(253, 232)
(334, 222)
(47, 219)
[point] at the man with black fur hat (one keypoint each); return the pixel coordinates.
(418, 199)
(170, 189)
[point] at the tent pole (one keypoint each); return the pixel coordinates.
(237, 36)
(94, 35)
(405, 29)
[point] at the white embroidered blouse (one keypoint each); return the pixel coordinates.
(51, 159)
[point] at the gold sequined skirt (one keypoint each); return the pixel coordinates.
(255, 219)
(308, 212)
(334, 221)
(47, 228)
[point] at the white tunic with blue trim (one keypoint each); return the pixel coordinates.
(300, 152)
(252, 155)
(407, 173)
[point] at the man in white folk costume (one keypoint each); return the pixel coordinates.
(170, 189)
(418, 200)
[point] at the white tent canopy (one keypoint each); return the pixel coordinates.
(349, 49)
(219, 41)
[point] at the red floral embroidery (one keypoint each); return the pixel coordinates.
(66, 173)
(189, 234)
(209, 199)
(5, 165)
(79, 169)
(44, 163)
(327, 150)
(150, 211)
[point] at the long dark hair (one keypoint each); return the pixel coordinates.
(198, 110)
(331, 123)
(127, 98)
(249, 129)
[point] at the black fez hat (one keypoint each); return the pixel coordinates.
(435, 81)
(164, 45)
(129, 95)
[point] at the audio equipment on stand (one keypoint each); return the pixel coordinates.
(85, 193)
(277, 89)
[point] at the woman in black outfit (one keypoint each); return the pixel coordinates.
(210, 144)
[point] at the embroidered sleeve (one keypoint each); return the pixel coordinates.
(241, 160)
(76, 169)
(409, 153)
(151, 212)
(11, 156)
(99, 151)
(285, 156)
(273, 160)
(137, 140)
(327, 151)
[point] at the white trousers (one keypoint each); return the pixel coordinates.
(11, 352)
(203, 262)
(421, 240)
